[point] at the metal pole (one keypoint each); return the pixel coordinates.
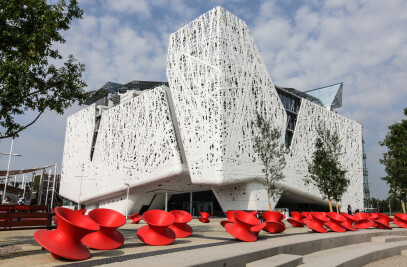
(127, 198)
(40, 187)
(166, 201)
(389, 207)
(53, 185)
(24, 185)
(15, 180)
(32, 185)
(190, 203)
(8, 170)
(80, 189)
(49, 178)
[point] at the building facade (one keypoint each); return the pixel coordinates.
(196, 132)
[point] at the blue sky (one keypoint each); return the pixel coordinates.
(305, 45)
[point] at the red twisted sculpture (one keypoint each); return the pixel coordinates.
(180, 226)
(297, 219)
(107, 237)
(400, 219)
(65, 241)
(383, 221)
(317, 222)
(348, 224)
(204, 217)
(373, 217)
(136, 219)
(273, 220)
(246, 227)
(362, 221)
(230, 216)
(335, 221)
(82, 211)
(157, 232)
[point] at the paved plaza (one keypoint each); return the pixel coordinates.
(208, 246)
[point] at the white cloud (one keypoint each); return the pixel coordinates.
(140, 7)
(361, 43)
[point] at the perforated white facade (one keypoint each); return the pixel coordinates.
(198, 134)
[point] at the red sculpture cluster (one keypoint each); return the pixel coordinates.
(98, 230)
(319, 221)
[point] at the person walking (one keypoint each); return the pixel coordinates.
(349, 210)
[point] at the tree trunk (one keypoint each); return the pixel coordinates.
(269, 204)
(337, 207)
(403, 206)
(330, 204)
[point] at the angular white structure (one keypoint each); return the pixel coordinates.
(198, 134)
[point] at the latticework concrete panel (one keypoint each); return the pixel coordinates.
(218, 82)
(135, 144)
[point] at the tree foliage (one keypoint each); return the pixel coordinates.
(29, 31)
(325, 171)
(384, 205)
(395, 159)
(271, 150)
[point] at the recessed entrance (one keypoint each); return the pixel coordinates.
(201, 201)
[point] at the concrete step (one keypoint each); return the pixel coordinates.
(388, 238)
(354, 255)
(238, 254)
(281, 260)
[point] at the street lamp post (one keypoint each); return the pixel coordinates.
(80, 187)
(127, 198)
(53, 185)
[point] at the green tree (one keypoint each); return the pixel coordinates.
(29, 31)
(271, 150)
(395, 160)
(325, 171)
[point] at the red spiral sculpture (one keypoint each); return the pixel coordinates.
(348, 224)
(335, 221)
(65, 241)
(244, 228)
(297, 219)
(307, 215)
(107, 237)
(273, 222)
(230, 216)
(204, 217)
(400, 219)
(157, 232)
(83, 211)
(180, 226)
(373, 217)
(135, 217)
(383, 221)
(254, 212)
(256, 229)
(317, 222)
(362, 221)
